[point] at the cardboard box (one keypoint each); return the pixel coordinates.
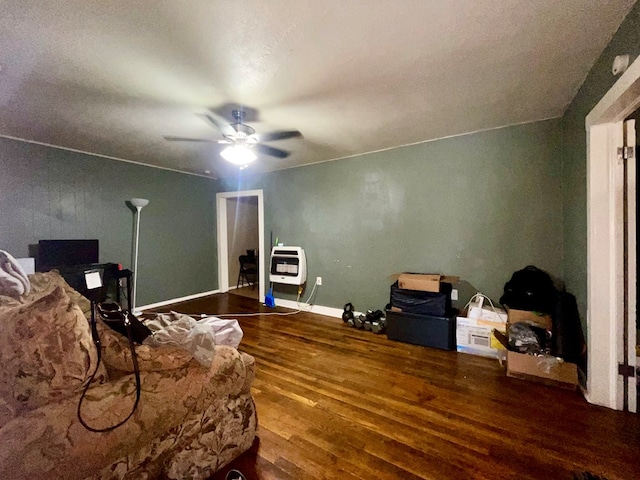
(541, 369)
(532, 318)
(547, 370)
(426, 282)
(425, 330)
(476, 337)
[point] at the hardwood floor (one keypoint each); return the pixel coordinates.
(335, 402)
(249, 292)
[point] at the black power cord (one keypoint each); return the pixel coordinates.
(136, 369)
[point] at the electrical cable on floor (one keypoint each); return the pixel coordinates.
(255, 314)
(308, 298)
(480, 296)
(220, 315)
(282, 314)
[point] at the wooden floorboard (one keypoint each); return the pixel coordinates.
(249, 291)
(335, 402)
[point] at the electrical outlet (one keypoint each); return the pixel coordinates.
(454, 294)
(318, 280)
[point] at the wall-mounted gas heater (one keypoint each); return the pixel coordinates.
(288, 265)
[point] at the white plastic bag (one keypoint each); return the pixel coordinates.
(198, 337)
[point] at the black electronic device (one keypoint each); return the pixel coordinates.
(110, 275)
(66, 253)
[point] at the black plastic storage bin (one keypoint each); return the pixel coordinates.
(425, 330)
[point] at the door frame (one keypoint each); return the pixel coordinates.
(605, 289)
(222, 235)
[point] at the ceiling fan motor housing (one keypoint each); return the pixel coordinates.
(242, 129)
(241, 135)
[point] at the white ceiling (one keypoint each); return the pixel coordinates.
(354, 76)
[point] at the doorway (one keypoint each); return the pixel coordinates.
(237, 212)
(243, 246)
(612, 246)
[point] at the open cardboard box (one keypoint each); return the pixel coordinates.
(425, 282)
(541, 369)
(532, 318)
(547, 370)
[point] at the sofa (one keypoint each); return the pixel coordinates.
(190, 422)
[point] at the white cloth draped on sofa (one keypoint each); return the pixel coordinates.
(13, 279)
(198, 337)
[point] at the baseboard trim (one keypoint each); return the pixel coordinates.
(243, 285)
(177, 300)
(305, 307)
(585, 394)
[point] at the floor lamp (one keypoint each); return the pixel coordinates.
(139, 203)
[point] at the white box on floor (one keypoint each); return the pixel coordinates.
(476, 337)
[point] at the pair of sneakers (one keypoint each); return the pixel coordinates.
(235, 475)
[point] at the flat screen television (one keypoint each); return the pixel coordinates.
(66, 253)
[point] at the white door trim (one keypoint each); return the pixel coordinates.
(223, 247)
(604, 237)
(631, 260)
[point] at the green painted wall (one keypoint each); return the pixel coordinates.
(480, 206)
(47, 193)
(574, 170)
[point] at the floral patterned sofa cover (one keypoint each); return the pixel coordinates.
(190, 421)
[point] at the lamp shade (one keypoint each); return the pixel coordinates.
(139, 202)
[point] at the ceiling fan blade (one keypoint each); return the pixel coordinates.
(274, 152)
(218, 122)
(171, 138)
(282, 135)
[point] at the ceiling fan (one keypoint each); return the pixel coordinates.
(241, 138)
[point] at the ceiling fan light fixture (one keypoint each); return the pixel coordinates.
(238, 155)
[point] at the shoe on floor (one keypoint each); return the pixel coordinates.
(235, 475)
(586, 476)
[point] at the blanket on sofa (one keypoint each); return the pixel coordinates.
(13, 279)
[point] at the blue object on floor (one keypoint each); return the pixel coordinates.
(269, 301)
